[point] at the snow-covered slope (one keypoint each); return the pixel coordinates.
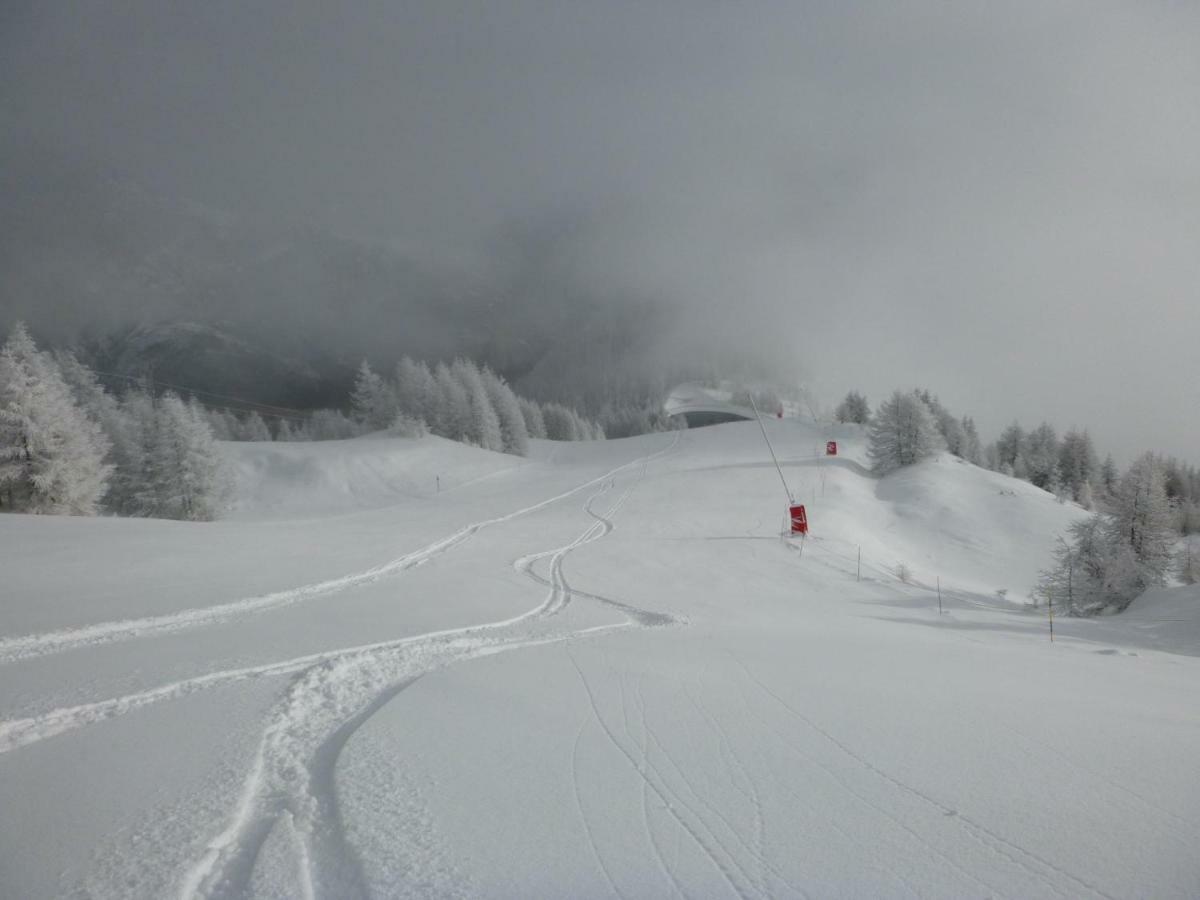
(595, 671)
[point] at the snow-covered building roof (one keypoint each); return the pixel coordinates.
(700, 405)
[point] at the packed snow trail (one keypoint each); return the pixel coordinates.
(293, 772)
(34, 645)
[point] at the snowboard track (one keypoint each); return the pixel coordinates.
(293, 776)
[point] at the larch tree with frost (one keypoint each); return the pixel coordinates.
(972, 448)
(902, 433)
(1040, 455)
(1008, 448)
(561, 423)
(1077, 463)
(52, 456)
(535, 422)
(121, 428)
(853, 409)
(483, 428)
(453, 418)
(416, 390)
(373, 400)
(1111, 559)
(187, 476)
(514, 435)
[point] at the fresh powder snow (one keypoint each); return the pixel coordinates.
(412, 668)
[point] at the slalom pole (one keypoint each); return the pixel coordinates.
(774, 459)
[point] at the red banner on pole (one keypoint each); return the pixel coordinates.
(799, 519)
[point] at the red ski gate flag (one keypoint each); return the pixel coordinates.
(831, 448)
(799, 519)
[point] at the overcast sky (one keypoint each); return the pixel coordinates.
(999, 201)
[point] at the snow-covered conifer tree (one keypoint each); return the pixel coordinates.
(483, 427)
(453, 418)
(52, 456)
(1009, 445)
(1141, 520)
(560, 422)
(1108, 476)
(332, 425)
(902, 432)
(253, 428)
(535, 423)
(1041, 456)
(416, 392)
(373, 400)
(187, 475)
(513, 433)
(853, 408)
(1077, 461)
(972, 449)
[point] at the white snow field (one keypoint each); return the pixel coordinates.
(597, 671)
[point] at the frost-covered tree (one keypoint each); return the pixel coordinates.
(1108, 476)
(948, 426)
(52, 456)
(902, 433)
(1041, 456)
(535, 423)
(453, 417)
(514, 435)
(1009, 445)
(853, 408)
(332, 425)
(1141, 519)
(991, 457)
(224, 424)
(373, 400)
(187, 476)
(972, 450)
(1077, 462)
(483, 428)
(1077, 580)
(1113, 558)
(253, 428)
(416, 390)
(122, 427)
(561, 423)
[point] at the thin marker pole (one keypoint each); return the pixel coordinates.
(1050, 606)
(858, 572)
(939, 584)
(774, 459)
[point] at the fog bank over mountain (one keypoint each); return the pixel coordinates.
(1001, 203)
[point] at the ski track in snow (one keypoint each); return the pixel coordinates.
(1032, 863)
(30, 646)
(293, 773)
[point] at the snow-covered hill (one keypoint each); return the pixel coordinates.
(413, 668)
